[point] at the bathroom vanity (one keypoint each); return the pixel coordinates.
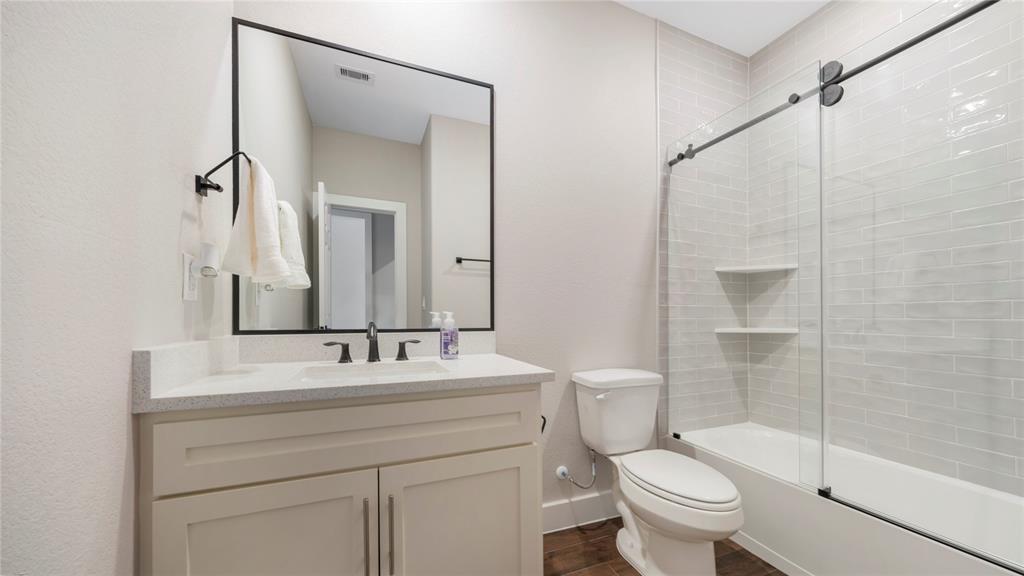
(256, 454)
(394, 471)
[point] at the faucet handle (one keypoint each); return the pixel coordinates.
(401, 349)
(345, 356)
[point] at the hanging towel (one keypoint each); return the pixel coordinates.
(254, 248)
(291, 248)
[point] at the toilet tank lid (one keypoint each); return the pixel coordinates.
(616, 378)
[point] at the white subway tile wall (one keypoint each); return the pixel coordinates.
(783, 162)
(703, 225)
(923, 190)
(922, 180)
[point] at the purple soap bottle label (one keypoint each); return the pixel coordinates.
(449, 344)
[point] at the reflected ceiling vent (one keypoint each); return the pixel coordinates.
(354, 75)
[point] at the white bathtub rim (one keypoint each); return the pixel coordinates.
(784, 436)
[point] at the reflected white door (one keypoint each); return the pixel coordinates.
(351, 245)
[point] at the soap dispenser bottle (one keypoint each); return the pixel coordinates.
(449, 338)
(435, 319)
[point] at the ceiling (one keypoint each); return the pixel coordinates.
(396, 106)
(743, 26)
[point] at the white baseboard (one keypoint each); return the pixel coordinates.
(768, 555)
(584, 509)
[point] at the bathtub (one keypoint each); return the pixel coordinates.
(756, 457)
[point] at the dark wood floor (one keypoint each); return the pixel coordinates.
(590, 551)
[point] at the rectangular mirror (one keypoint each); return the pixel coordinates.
(388, 167)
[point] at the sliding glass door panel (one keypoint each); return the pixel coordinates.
(923, 308)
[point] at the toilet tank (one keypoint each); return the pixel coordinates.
(617, 408)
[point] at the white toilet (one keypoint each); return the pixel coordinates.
(673, 507)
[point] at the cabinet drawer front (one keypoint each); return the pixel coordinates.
(203, 454)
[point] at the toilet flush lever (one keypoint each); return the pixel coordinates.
(602, 396)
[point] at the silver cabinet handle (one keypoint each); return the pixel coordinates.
(366, 534)
(391, 535)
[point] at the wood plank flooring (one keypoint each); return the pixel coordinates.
(590, 551)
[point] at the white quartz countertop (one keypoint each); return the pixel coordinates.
(280, 382)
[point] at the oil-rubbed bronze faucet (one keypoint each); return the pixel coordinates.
(401, 349)
(345, 356)
(371, 335)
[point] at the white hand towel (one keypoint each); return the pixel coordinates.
(254, 249)
(291, 248)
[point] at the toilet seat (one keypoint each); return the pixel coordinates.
(688, 520)
(680, 480)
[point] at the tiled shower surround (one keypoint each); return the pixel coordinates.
(923, 190)
(704, 223)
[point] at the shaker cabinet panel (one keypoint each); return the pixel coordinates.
(323, 525)
(466, 515)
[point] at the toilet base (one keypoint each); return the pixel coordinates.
(659, 555)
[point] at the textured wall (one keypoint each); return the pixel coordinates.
(108, 111)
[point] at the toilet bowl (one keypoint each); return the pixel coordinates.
(673, 507)
(669, 528)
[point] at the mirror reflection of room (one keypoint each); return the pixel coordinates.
(389, 170)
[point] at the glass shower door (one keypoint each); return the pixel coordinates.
(923, 308)
(739, 215)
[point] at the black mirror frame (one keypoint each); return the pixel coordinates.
(235, 313)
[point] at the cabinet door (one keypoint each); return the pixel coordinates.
(322, 525)
(466, 515)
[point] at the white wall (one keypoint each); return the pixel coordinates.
(109, 109)
(575, 179)
(370, 167)
(458, 191)
(274, 126)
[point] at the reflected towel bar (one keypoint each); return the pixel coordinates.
(203, 183)
(460, 260)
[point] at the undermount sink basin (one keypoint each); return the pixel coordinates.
(371, 370)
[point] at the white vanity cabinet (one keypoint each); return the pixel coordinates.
(442, 484)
